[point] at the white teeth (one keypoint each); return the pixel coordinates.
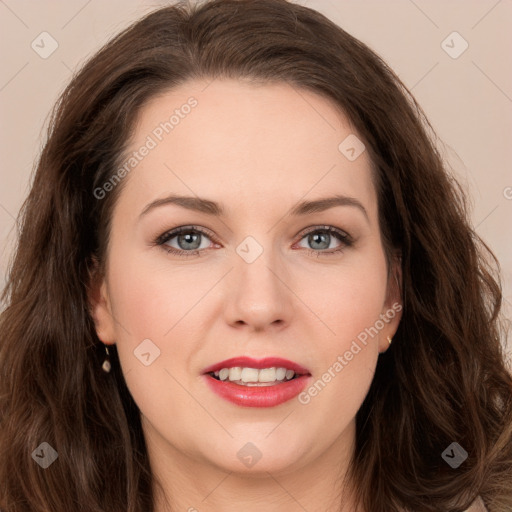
(254, 375)
(235, 373)
(267, 375)
(280, 373)
(250, 375)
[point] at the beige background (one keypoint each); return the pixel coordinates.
(468, 99)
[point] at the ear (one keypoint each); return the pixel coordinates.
(393, 305)
(99, 304)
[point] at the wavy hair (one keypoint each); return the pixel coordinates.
(445, 378)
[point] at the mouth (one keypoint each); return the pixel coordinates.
(256, 383)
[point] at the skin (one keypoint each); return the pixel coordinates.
(257, 150)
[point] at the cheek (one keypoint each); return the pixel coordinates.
(350, 305)
(346, 360)
(348, 299)
(332, 401)
(150, 307)
(149, 299)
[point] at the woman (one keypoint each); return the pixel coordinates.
(251, 369)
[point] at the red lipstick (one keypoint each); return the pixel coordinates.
(262, 395)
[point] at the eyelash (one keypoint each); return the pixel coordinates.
(343, 237)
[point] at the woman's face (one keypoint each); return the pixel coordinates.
(263, 279)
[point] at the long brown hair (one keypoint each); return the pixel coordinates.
(443, 380)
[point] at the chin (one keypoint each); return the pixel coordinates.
(258, 457)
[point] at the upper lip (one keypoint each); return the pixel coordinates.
(249, 362)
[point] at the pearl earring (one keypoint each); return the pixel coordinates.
(106, 364)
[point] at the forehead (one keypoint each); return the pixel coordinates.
(244, 143)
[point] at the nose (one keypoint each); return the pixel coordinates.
(258, 294)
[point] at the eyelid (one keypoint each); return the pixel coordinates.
(312, 229)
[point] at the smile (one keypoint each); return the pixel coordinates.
(249, 382)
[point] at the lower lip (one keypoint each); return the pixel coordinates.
(257, 396)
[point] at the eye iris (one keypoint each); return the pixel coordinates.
(315, 236)
(186, 237)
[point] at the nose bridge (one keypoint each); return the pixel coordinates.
(257, 294)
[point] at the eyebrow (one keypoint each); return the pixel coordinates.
(209, 207)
